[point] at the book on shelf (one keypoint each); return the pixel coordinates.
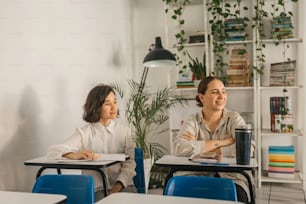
(281, 162)
(280, 105)
(238, 71)
(282, 28)
(282, 123)
(281, 114)
(283, 73)
(184, 84)
(235, 29)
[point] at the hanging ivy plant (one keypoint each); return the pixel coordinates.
(221, 11)
(258, 20)
(282, 28)
(175, 9)
(278, 11)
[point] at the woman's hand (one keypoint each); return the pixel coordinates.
(189, 136)
(117, 187)
(83, 154)
(228, 141)
(215, 145)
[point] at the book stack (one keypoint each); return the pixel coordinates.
(282, 27)
(234, 29)
(281, 162)
(238, 72)
(283, 73)
(281, 116)
(184, 84)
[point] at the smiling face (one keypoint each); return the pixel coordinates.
(215, 96)
(109, 109)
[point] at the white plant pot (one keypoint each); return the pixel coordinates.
(196, 83)
(148, 163)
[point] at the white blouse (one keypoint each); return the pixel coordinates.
(113, 139)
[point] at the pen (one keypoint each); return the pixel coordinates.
(216, 164)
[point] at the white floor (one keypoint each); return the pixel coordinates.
(272, 193)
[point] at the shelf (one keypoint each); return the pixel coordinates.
(296, 179)
(267, 132)
(255, 99)
(280, 87)
(194, 44)
(239, 88)
(289, 40)
(239, 42)
(227, 42)
(226, 87)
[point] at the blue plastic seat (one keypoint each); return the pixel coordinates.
(79, 189)
(201, 187)
(139, 179)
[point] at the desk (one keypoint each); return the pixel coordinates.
(76, 164)
(30, 198)
(176, 163)
(139, 198)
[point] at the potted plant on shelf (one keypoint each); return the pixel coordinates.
(197, 68)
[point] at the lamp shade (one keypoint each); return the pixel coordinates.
(159, 57)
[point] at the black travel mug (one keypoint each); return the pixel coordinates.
(243, 137)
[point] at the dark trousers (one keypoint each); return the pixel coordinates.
(241, 194)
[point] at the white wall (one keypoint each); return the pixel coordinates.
(52, 52)
(148, 23)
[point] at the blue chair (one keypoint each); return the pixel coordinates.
(79, 189)
(201, 187)
(139, 179)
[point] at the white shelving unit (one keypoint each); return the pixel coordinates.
(252, 102)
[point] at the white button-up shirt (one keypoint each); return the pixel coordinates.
(113, 139)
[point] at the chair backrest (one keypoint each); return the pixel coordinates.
(201, 187)
(79, 189)
(139, 179)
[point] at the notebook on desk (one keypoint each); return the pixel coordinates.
(209, 157)
(100, 157)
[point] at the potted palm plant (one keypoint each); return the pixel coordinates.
(146, 112)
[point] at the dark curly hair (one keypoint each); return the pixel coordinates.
(202, 88)
(94, 102)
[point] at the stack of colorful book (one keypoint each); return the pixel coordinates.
(281, 162)
(282, 27)
(238, 72)
(234, 29)
(184, 84)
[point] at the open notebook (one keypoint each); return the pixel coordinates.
(100, 157)
(209, 157)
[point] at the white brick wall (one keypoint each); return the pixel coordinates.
(52, 52)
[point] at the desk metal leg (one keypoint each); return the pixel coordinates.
(252, 192)
(169, 175)
(103, 181)
(40, 171)
(43, 168)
